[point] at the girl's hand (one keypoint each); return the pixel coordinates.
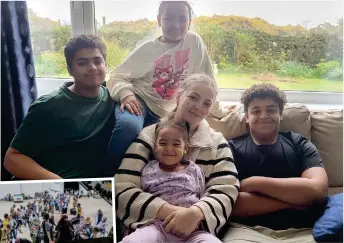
(166, 210)
(131, 104)
(183, 222)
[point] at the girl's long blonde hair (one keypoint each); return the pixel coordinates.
(187, 85)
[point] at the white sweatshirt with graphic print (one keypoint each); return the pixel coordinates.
(155, 70)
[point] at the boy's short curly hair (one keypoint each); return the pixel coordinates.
(80, 42)
(263, 91)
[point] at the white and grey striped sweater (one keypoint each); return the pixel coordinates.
(209, 149)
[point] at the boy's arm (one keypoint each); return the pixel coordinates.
(29, 141)
(305, 190)
(23, 167)
(311, 187)
(250, 204)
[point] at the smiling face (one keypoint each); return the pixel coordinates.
(174, 20)
(170, 145)
(195, 103)
(88, 68)
(263, 117)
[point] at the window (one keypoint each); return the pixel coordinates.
(50, 29)
(121, 31)
(297, 45)
(248, 41)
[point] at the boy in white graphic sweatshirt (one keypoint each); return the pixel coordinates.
(145, 84)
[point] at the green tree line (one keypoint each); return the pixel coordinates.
(235, 43)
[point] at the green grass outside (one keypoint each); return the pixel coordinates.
(237, 80)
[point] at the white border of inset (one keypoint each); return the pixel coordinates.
(58, 180)
(112, 179)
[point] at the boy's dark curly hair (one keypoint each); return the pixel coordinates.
(80, 42)
(263, 91)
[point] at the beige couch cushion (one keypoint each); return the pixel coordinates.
(334, 190)
(295, 118)
(327, 136)
(232, 125)
(239, 233)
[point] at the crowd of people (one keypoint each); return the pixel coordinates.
(38, 217)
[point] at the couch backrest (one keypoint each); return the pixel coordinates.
(295, 118)
(323, 128)
(327, 136)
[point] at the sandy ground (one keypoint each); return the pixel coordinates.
(90, 207)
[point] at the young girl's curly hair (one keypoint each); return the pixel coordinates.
(184, 126)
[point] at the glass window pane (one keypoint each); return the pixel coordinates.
(50, 28)
(297, 45)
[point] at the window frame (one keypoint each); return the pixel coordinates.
(82, 17)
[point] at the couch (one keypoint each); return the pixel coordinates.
(323, 127)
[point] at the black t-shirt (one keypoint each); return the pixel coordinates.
(289, 156)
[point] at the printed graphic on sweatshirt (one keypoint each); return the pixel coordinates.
(169, 72)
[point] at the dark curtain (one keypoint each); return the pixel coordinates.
(18, 86)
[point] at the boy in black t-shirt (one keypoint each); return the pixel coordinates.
(282, 180)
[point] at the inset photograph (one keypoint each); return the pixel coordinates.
(59, 211)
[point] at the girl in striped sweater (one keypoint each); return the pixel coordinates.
(209, 150)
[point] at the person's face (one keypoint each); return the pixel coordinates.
(88, 68)
(170, 145)
(174, 21)
(195, 104)
(263, 117)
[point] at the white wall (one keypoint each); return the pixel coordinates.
(31, 188)
(56, 186)
(9, 188)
